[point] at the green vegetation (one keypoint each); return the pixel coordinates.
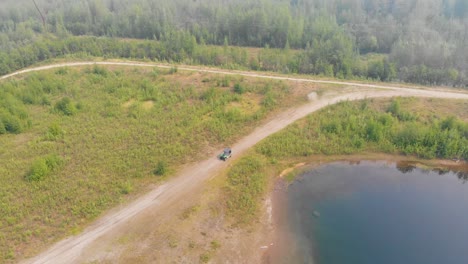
(66, 106)
(420, 127)
(411, 41)
(246, 184)
(238, 88)
(350, 128)
(161, 168)
(43, 167)
(205, 257)
(13, 115)
(89, 137)
(215, 245)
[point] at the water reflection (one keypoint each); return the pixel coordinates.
(461, 172)
(405, 167)
(463, 176)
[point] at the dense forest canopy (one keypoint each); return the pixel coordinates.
(425, 40)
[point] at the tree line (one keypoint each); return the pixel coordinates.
(425, 41)
(181, 47)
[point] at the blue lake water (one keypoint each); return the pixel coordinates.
(372, 212)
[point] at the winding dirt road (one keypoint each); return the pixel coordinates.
(70, 249)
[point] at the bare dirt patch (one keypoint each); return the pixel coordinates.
(248, 105)
(147, 105)
(289, 170)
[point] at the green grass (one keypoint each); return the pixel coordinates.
(92, 137)
(352, 127)
(247, 182)
(426, 128)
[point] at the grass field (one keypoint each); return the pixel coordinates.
(78, 141)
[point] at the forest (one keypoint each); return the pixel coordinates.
(416, 41)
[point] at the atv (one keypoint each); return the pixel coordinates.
(225, 155)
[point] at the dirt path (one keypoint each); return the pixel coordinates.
(71, 249)
(219, 71)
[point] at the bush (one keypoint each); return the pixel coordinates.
(395, 110)
(374, 131)
(161, 168)
(269, 101)
(42, 167)
(224, 82)
(66, 106)
(38, 171)
(53, 162)
(12, 124)
(173, 70)
(215, 245)
(61, 71)
(99, 71)
(2, 128)
(45, 100)
(239, 88)
(448, 123)
(55, 132)
(126, 188)
(205, 258)
(409, 135)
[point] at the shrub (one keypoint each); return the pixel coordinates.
(409, 135)
(205, 258)
(269, 101)
(224, 82)
(395, 110)
(2, 128)
(44, 100)
(126, 188)
(55, 132)
(173, 70)
(39, 170)
(161, 168)
(12, 124)
(99, 71)
(61, 71)
(215, 244)
(239, 88)
(374, 131)
(42, 167)
(448, 123)
(66, 106)
(386, 120)
(53, 162)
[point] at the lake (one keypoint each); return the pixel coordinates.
(377, 212)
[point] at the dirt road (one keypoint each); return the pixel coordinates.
(71, 249)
